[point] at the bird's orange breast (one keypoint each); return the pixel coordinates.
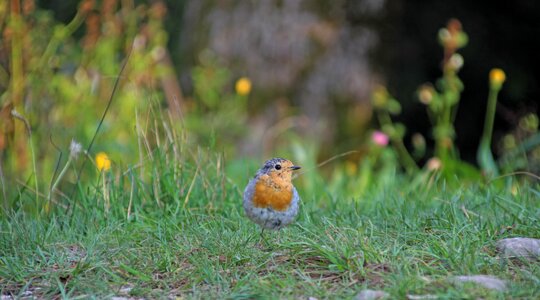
(272, 192)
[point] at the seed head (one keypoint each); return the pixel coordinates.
(74, 149)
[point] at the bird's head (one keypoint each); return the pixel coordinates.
(279, 168)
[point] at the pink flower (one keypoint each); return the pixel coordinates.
(379, 138)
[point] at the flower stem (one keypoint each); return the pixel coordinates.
(484, 155)
(62, 173)
(490, 116)
(403, 153)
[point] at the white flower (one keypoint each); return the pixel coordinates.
(74, 148)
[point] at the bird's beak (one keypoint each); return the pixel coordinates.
(295, 168)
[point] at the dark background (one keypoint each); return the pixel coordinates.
(407, 54)
(501, 34)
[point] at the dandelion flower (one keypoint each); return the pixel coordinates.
(496, 77)
(103, 162)
(243, 86)
(74, 148)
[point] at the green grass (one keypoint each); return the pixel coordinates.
(401, 239)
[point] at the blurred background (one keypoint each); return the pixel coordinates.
(258, 78)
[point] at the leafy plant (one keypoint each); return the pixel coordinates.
(441, 101)
(59, 85)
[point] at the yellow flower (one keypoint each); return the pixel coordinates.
(243, 86)
(496, 77)
(103, 162)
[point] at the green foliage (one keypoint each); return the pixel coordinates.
(441, 102)
(521, 148)
(385, 105)
(218, 116)
(406, 242)
(67, 83)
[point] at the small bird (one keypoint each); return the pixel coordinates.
(270, 199)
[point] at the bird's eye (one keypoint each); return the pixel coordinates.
(278, 167)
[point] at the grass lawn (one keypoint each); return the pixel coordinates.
(405, 241)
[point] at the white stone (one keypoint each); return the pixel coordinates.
(487, 281)
(519, 247)
(422, 297)
(371, 295)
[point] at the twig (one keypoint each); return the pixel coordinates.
(131, 195)
(466, 212)
(515, 173)
(2, 181)
(57, 167)
(186, 200)
(20, 117)
(37, 192)
(327, 161)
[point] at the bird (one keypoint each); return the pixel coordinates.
(270, 199)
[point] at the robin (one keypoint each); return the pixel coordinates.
(270, 199)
